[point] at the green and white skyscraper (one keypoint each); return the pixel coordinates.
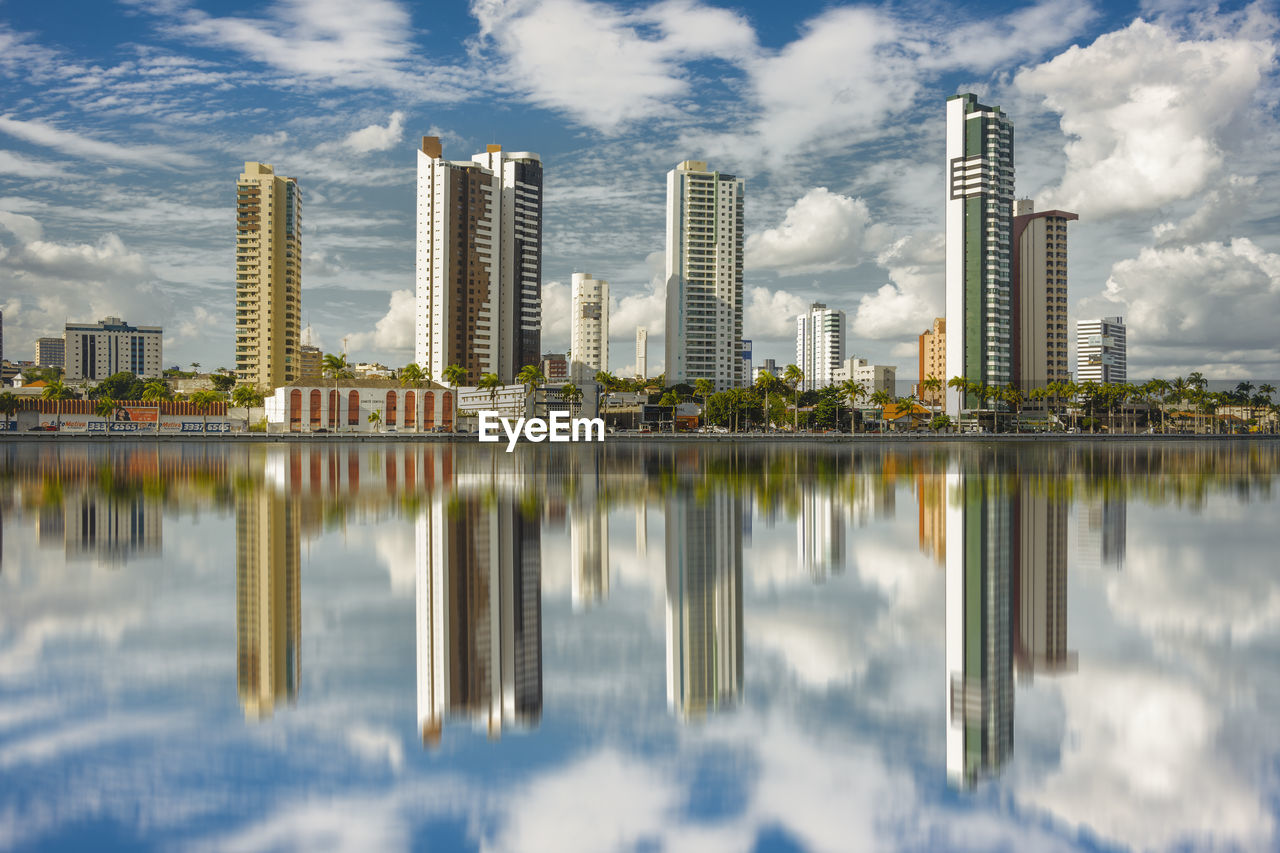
(979, 245)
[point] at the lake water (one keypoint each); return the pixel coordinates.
(712, 647)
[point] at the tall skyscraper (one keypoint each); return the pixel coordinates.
(589, 333)
(1101, 350)
(479, 262)
(704, 602)
(479, 613)
(819, 344)
(642, 352)
(933, 362)
(268, 600)
(979, 620)
(1039, 297)
(268, 277)
(704, 276)
(979, 207)
(97, 350)
(820, 540)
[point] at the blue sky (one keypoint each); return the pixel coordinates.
(123, 126)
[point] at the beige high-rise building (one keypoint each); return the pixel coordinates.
(268, 277)
(589, 327)
(1039, 290)
(268, 601)
(933, 362)
(642, 352)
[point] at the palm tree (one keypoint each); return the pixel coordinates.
(572, 395)
(9, 404)
(491, 383)
(204, 399)
(767, 383)
(530, 376)
(104, 407)
(793, 376)
(57, 390)
(375, 418)
(1012, 396)
(932, 385)
(704, 388)
(246, 397)
(881, 399)
(454, 375)
(336, 367)
(155, 391)
(961, 384)
(853, 390)
(411, 375)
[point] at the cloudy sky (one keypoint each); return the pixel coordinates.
(124, 124)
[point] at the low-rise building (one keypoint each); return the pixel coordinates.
(874, 377)
(360, 406)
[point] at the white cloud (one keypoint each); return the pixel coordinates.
(1027, 32)
(394, 332)
(1218, 209)
(847, 73)
(907, 305)
(1182, 303)
(1147, 114)
(1142, 764)
(39, 133)
(556, 328)
(376, 137)
(822, 231)
(12, 163)
(604, 66)
(369, 44)
(771, 314)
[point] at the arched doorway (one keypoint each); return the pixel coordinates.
(295, 410)
(314, 420)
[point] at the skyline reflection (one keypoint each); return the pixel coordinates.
(1091, 675)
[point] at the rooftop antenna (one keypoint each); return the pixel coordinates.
(344, 345)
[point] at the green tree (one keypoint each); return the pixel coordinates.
(454, 375)
(156, 390)
(853, 391)
(491, 383)
(335, 367)
(411, 376)
(246, 397)
(793, 376)
(530, 376)
(704, 388)
(932, 385)
(375, 418)
(222, 382)
(104, 407)
(9, 404)
(940, 422)
(119, 386)
(766, 384)
(57, 390)
(572, 395)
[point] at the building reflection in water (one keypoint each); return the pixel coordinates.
(1102, 532)
(588, 531)
(479, 608)
(268, 600)
(979, 635)
(820, 539)
(704, 601)
(1006, 600)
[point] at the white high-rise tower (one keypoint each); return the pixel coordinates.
(819, 344)
(704, 276)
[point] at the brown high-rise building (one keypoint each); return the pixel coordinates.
(268, 277)
(479, 262)
(933, 362)
(1039, 306)
(268, 601)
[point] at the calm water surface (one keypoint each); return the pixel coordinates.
(640, 647)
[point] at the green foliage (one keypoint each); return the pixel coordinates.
(222, 382)
(119, 386)
(940, 422)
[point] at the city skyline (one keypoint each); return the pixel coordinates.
(1164, 159)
